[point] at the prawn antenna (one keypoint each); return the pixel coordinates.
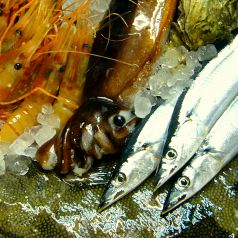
(65, 101)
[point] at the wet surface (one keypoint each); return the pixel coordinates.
(43, 205)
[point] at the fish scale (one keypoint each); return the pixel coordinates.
(210, 94)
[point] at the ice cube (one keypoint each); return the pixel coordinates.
(154, 85)
(169, 59)
(21, 143)
(31, 152)
(165, 93)
(182, 72)
(182, 51)
(43, 134)
(206, 52)
(17, 165)
(51, 120)
(99, 6)
(47, 109)
(4, 148)
(191, 59)
(142, 105)
(147, 93)
(33, 130)
(172, 80)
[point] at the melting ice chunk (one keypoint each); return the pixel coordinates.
(47, 109)
(21, 143)
(51, 120)
(142, 105)
(17, 165)
(42, 133)
(170, 59)
(31, 151)
(206, 52)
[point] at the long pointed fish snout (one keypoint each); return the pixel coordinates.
(204, 103)
(163, 173)
(142, 154)
(128, 176)
(218, 149)
(107, 199)
(173, 202)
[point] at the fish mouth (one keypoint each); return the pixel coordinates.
(110, 197)
(162, 176)
(172, 202)
(103, 205)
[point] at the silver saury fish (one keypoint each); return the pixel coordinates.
(141, 155)
(206, 100)
(218, 148)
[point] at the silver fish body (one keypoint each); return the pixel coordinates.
(210, 94)
(141, 155)
(218, 149)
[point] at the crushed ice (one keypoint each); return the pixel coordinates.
(17, 157)
(172, 73)
(18, 165)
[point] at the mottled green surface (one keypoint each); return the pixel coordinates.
(42, 205)
(201, 22)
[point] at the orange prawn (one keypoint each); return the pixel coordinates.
(7, 9)
(16, 65)
(48, 77)
(63, 61)
(72, 84)
(24, 24)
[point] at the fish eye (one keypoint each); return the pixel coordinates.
(184, 182)
(121, 178)
(119, 120)
(171, 154)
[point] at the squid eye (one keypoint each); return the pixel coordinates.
(184, 182)
(119, 120)
(171, 154)
(121, 178)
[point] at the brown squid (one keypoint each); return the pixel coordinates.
(98, 128)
